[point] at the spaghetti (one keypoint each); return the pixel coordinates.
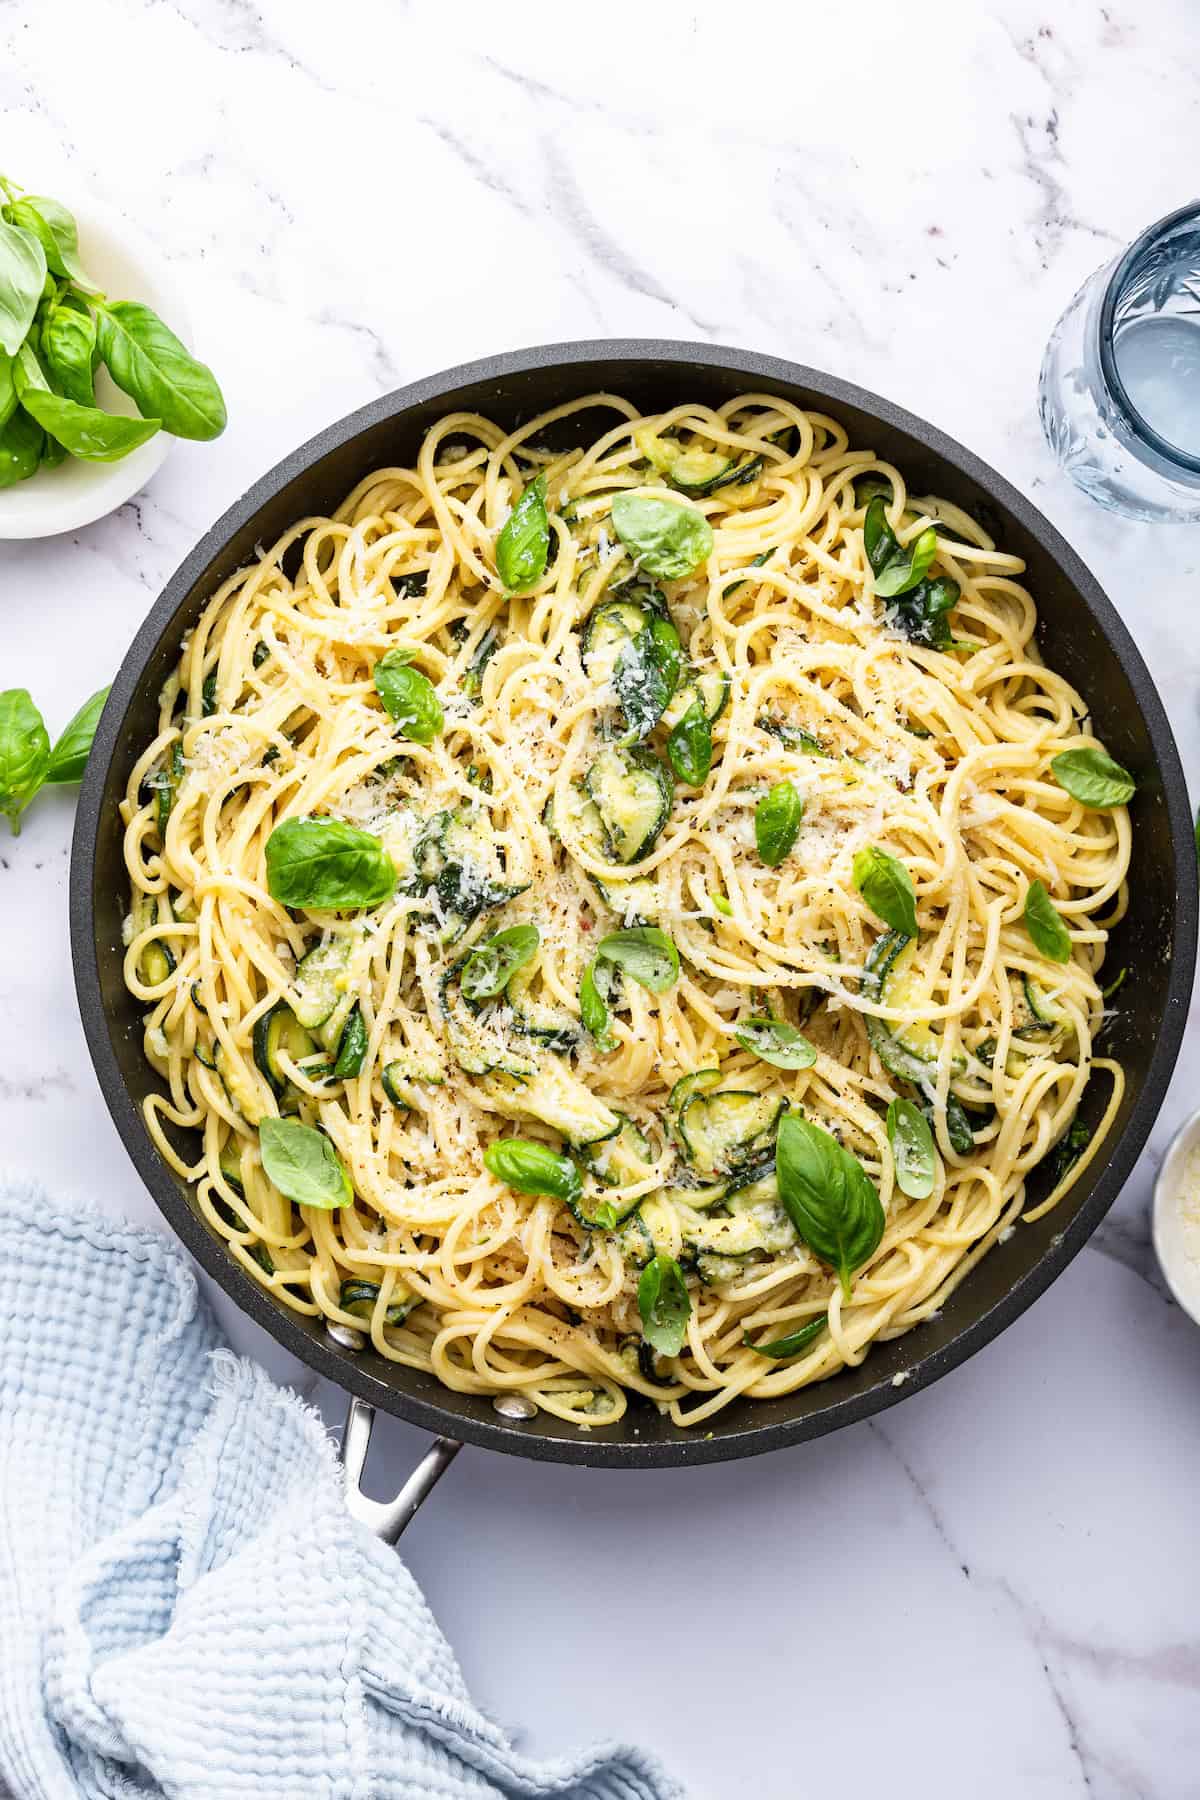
(934, 747)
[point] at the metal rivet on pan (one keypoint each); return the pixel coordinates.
(514, 1406)
(344, 1335)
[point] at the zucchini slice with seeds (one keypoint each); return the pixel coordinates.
(358, 1298)
(477, 1043)
(692, 469)
(322, 979)
(632, 792)
(278, 1030)
(720, 1131)
(606, 631)
(549, 1026)
(624, 1157)
(1047, 1020)
(558, 1099)
(635, 1242)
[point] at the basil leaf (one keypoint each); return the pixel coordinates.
(86, 431)
(666, 538)
(664, 1304)
(912, 1149)
(165, 381)
(21, 443)
(524, 543)
(828, 1195)
(326, 864)
(409, 696)
(8, 388)
(67, 341)
(921, 614)
(645, 953)
(303, 1164)
(690, 746)
(776, 822)
(894, 568)
(24, 753)
(777, 1043)
(490, 965)
(1093, 778)
(593, 1008)
(645, 677)
(886, 886)
(69, 755)
(1044, 926)
(55, 229)
(793, 1343)
(22, 278)
(533, 1168)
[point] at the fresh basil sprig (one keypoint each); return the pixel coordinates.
(55, 327)
(793, 1343)
(27, 761)
(644, 953)
(886, 886)
(594, 995)
(777, 822)
(667, 538)
(303, 1164)
(327, 865)
(777, 1043)
(912, 1149)
(533, 1168)
(1093, 778)
(524, 542)
(664, 1304)
(492, 964)
(828, 1195)
(1044, 925)
(409, 696)
(690, 746)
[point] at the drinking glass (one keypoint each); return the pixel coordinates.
(1119, 392)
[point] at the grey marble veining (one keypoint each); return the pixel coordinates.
(992, 1591)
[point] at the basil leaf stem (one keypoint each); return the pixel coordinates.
(664, 1304)
(1044, 925)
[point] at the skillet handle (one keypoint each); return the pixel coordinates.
(388, 1518)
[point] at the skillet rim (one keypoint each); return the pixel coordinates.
(341, 1366)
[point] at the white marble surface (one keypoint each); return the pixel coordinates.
(995, 1591)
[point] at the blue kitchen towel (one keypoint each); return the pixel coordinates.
(186, 1607)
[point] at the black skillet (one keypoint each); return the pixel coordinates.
(1080, 634)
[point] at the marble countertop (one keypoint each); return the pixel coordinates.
(994, 1590)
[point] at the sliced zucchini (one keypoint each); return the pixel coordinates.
(685, 1087)
(711, 689)
(718, 1132)
(456, 856)
(624, 1157)
(793, 737)
(322, 980)
(549, 1026)
(661, 1221)
(359, 1297)
(230, 1163)
(910, 1052)
(753, 1225)
(637, 901)
(278, 1030)
(607, 629)
(556, 1097)
(407, 1073)
(477, 1043)
(1047, 1019)
(635, 1242)
(632, 792)
(156, 961)
(471, 680)
(163, 784)
(690, 468)
(575, 820)
(596, 1210)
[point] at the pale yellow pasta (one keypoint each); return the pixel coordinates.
(939, 757)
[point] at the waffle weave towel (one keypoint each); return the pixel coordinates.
(186, 1607)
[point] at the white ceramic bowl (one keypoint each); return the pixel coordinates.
(122, 263)
(1176, 1238)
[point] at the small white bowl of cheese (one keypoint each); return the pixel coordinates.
(1176, 1223)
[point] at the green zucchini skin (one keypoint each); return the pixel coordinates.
(632, 792)
(276, 1030)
